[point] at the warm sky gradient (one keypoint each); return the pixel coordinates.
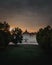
(26, 14)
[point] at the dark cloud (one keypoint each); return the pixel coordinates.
(32, 5)
(39, 6)
(25, 3)
(35, 12)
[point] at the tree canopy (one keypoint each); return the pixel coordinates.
(44, 37)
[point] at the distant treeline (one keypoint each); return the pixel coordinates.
(43, 36)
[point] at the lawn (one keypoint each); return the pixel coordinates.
(23, 55)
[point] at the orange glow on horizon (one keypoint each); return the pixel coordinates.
(23, 29)
(30, 29)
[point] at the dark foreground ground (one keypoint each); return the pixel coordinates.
(24, 55)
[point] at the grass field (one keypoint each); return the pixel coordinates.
(23, 55)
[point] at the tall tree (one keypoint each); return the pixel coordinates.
(17, 35)
(44, 37)
(5, 36)
(6, 26)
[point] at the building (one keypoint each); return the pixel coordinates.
(29, 38)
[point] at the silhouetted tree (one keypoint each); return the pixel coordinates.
(17, 35)
(44, 37)
(4, 26)
(5, 36)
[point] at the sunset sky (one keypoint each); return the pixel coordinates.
(26, 14)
